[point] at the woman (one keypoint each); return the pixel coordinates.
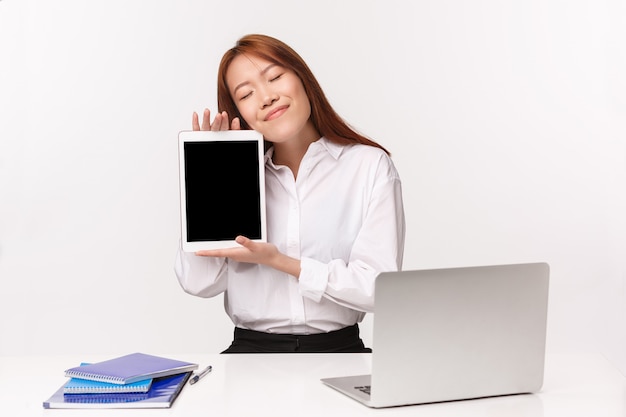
(335, 217)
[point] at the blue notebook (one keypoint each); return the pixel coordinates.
(130, 368)
(87, 386)
(162, 394)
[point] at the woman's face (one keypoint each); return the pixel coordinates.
(271, 99)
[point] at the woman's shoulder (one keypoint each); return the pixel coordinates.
(352, 149)
(367, 153)
(370, 158)
(369, 150)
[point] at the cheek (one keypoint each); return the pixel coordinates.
(248, 114)
(304, 99)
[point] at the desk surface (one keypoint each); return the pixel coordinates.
(289, 385)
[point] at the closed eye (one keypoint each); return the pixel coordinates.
(276, 78)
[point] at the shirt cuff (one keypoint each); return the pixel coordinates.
(313, 279)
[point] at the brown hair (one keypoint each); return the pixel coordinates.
(324, 118)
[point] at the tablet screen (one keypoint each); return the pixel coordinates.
(222, 188)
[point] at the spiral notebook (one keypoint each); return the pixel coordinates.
(87, 386)
(162, 394)
(130, 368)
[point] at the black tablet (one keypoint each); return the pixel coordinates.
(222, 188)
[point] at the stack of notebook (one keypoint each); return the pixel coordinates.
(137, 380)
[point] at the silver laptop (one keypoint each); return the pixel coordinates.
(454, 334)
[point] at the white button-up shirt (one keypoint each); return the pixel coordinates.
(343, 217)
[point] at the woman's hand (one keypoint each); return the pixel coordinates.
(257, 253)
(219, 123)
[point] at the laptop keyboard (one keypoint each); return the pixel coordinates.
(364, 388)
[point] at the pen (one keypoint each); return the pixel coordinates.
(199, 375)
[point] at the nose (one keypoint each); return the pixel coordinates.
(268, 101)
(269, 98)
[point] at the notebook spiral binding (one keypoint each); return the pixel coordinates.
(94, 377)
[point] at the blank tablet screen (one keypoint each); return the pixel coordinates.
(223, 188)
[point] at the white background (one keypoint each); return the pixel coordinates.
(506, 120)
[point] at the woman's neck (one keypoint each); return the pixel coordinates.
(291, 152)
(290, 155)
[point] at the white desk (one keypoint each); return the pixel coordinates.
(289, 385)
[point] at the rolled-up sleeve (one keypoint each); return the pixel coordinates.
(313, 279)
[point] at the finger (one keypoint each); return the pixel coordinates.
(243, 241)
(224, 124)
(235, 124)
(217, 123)
(206, 120)
(195, 125)
(220, 122)
(214, 253)
(220, 253)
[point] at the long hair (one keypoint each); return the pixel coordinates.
(327, 122)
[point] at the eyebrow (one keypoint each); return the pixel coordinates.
(265, 70)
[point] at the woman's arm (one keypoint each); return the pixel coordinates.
(201, 276)
(258, 253)
(377, 247)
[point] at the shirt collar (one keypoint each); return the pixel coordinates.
(333, 149)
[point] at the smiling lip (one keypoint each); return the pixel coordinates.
(277, 112)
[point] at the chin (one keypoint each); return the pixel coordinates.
(285, 134)
(279, 137)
